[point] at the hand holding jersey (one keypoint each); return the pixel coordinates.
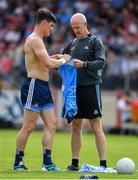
(61, 58)
(78, 63)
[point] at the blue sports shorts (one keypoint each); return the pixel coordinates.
(36, 95)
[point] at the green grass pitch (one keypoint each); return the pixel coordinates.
(117, 147)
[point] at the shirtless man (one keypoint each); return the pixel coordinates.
(35, 93)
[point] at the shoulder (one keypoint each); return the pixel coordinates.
(95, 39)
(92, 37)
(34, 41)
(68, 45)
(71, 43)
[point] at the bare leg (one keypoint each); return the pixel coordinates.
(76, 137)
(50, 122)
(99, 137)
(29, 123)
(55, 92)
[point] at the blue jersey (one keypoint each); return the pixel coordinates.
(36, 95)
(69, 78)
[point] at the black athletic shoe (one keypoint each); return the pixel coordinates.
(72, 168)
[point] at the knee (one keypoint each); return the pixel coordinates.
(29, 129)
(97, 128)
(52, 127)
(76, 129)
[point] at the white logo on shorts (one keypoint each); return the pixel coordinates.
(95, 112)
(36, 104)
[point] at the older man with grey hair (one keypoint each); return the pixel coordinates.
(89, 58)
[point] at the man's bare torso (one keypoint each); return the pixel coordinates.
(34, 67)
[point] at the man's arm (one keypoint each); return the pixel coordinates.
(99, 55)
(57, 56)
(98, 62)
(41, 53)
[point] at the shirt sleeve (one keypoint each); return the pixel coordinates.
(99, 56)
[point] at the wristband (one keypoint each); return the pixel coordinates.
(85, 64)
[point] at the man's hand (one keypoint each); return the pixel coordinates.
(78, 63)
(66, 57)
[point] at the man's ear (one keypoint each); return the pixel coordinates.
(44, 22)
(86, 24)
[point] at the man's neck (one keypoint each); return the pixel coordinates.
(83, 36)
(38, 32)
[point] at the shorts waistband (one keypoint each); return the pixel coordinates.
(38, 80)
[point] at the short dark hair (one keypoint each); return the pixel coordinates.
(44, 14)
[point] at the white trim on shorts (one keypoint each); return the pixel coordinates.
(30, 94)
(98, 96)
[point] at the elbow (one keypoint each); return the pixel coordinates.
(102, 64)
(51, 66)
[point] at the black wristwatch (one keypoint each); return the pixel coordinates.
(85, 64)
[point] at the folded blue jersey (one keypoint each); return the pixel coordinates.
(96, 169)
(69, 79)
